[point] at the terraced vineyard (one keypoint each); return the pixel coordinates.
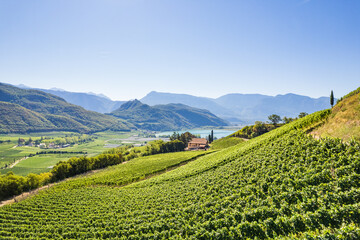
(136, 169)
(283, 184)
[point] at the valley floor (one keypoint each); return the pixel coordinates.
(17, 160)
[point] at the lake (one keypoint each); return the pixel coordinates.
(218, 133)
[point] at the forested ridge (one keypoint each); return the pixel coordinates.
(166, 117)
(24, 110)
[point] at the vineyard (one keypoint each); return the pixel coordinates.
(136, 169)
(283, 184)
(225, 142)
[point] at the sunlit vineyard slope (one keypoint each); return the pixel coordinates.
(283, 184)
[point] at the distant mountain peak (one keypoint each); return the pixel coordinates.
(22, 86)
(57, 89)
(167, 116)
(99, 95)
(131, 104)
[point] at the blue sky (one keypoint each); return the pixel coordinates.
(128, 48)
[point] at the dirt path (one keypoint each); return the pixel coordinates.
(153, 174)
(17, 161)
(25, 195)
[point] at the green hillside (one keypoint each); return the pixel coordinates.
(283, 184)
(166, 117)
(255, 130)
(15, 118)
(225, 142)
(344, 120)
(52, 111)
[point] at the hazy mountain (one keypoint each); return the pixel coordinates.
(240, 108)
(61, 114)
(155, 98)
(166, 117)
(90, 101)
(236, 108)
(99, 95)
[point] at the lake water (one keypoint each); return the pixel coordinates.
(218, 133)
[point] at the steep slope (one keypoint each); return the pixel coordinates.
(344, 121)
(281, 185)
(14, 118)
(166, 117)
(59, 112)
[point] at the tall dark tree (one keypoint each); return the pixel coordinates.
(274, 119)
(302, 114)
(175, 136)
(332, 98)
(287, 119)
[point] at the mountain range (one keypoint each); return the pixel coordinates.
(166, 117)
(244, 108)
(235, 108)
(90, 101)
(31, 110)
(28, 110)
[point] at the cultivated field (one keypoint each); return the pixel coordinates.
(10, 154)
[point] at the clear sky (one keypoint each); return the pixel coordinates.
(127, 48)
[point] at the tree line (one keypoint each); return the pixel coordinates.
(260, 128)
(12, 185)
(68, 139)
(57, 152)
(275, 119)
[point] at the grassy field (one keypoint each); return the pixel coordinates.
(343, 121)
(38, 164)
(44, 162)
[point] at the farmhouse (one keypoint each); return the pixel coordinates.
(198, 143)
(42, 145)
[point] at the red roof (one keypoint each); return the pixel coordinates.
(199, 141)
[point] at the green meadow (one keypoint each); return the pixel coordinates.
(9, 153)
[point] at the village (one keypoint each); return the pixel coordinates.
(29, 143)
(54, 143)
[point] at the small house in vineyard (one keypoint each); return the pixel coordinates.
(198, 143)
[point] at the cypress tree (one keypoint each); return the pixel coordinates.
(332, 98)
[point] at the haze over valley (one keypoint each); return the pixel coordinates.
(236, 108)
